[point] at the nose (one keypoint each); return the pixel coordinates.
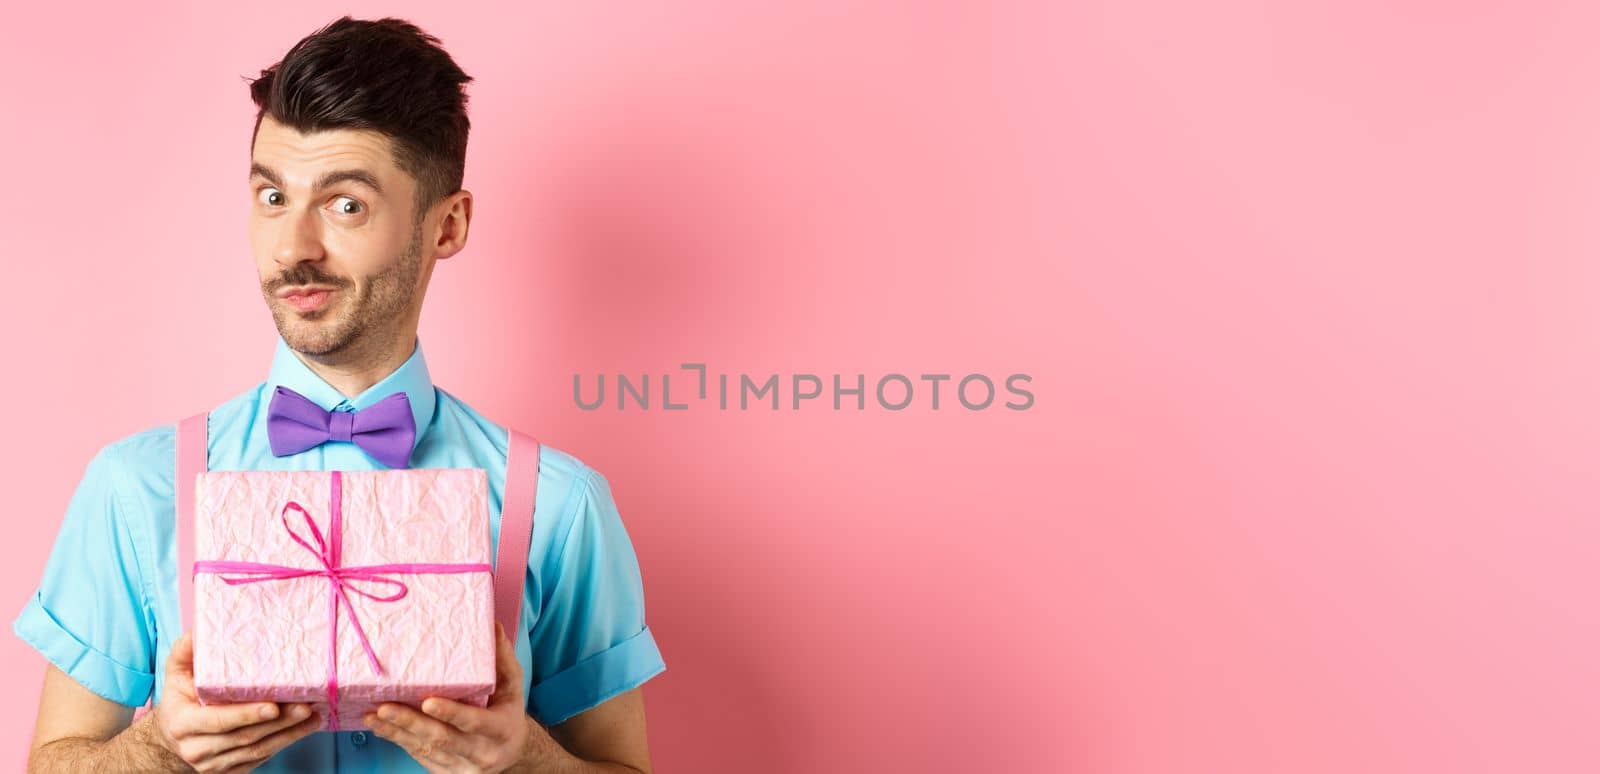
(299, 239)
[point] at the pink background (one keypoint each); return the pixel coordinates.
(1307, 296)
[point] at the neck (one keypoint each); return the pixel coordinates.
(352, 370)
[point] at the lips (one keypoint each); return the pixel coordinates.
(306, 298)
(301, 290)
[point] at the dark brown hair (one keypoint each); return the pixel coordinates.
(387, 76)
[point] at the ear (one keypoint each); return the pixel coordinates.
(451, 235)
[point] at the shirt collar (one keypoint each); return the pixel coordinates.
(411, 378)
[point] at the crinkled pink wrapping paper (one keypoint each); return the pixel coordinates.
(268, 641)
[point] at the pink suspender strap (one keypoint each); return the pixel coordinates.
(192, 461)
(516, 521)
(516, 530)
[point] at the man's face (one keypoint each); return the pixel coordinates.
(331, 226)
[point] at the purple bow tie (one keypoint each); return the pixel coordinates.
(385, 430)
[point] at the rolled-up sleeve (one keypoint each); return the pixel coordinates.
(590, 641)
(88, 614)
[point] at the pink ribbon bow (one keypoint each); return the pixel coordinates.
(339, 582)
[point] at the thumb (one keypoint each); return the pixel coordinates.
(508, 670)
(181, 660)
(180, 668)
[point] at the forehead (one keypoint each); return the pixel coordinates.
(301, 158)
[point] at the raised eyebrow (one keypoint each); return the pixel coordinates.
(327, 179)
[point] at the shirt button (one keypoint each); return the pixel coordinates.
(359, 738)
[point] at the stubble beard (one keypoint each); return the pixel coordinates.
(362, 321)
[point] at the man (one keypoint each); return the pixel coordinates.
(355, 183)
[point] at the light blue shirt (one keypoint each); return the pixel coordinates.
(106, 608)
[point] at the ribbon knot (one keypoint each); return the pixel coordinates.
(327, 553)
(341, 426)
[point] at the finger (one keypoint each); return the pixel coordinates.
(414, 744)
(217, 744)
(430, 732)
(180, 684)
(466, 718)
(267, 746)
(222, 718)
(508, 671)
(180, 660)
(180, 669)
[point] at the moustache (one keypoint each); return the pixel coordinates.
(304, 278)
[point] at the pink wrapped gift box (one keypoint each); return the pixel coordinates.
(263, 634)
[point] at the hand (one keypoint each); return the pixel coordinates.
(228, 738)
(449, 736)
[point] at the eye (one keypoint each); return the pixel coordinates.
(269, 196)
(349, 206)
